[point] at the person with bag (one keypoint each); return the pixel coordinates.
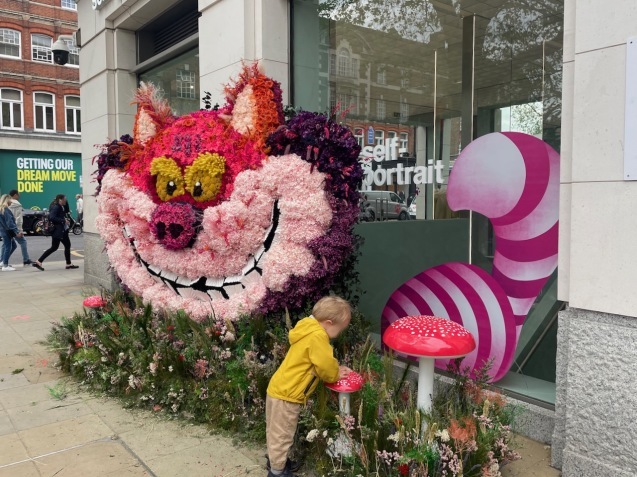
(8, 231)
(16, 210)
(60, 234)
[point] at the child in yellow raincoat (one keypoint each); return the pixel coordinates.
(310, 358)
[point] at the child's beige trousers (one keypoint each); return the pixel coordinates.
(281, 418)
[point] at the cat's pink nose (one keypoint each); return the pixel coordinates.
(175, 225)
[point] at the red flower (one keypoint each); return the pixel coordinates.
(181, 357)
(78, 344)
(403, 469)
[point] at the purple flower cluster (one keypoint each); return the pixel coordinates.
(111, 157)
(332, 251)
(327, 145)
(333, 150)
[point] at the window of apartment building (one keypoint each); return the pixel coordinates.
(348, 101)
(9, 43)
(344, 62)
(44, 111)
(404, 109)
(404, 141)
(404, 77)
(380, 109)
(379, 138)
(186, 84)
(381, 76)
(391, 134)
(359, 134)
(74, 54)
(41, 48)
(11, 105)
(69, 4)
(72, 109)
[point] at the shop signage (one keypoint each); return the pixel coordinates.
(39, 176)
(370, 135)
(97, 4)
(400, 174)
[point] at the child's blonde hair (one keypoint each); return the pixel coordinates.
(332, 308)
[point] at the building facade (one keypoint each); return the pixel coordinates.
(421, 83)
(40, 128)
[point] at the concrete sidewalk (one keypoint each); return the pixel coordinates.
(50, 428)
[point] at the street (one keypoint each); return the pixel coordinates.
(38, 244)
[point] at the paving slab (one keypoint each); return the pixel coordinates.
(25, 469)
(98, 458)
(62, 435)
(12, 449)
(6, 426)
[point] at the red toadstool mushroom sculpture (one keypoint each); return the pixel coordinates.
(342, 446)
(350, 384)
(94, 301)
(428, 338)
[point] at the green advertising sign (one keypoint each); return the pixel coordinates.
(40, 176)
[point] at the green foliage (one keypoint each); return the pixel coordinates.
(217, 372)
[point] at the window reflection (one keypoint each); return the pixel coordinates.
(429, 78)
(178, 80)
(398, 68)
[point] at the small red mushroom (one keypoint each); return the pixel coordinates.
(350, 384)
(428, 338)
(95, 301)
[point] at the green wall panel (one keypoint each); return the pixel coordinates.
(395, 251)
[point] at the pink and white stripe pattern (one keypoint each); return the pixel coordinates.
(512, 179)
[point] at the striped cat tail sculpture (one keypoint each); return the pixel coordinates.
(513, 180)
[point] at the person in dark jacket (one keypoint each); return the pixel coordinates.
(8, 231)
(57, 215)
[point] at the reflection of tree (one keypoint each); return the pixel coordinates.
(521, 26)
(550, 88)
(527, 118)
(414, 20)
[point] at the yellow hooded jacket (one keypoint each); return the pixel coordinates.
(309, 358)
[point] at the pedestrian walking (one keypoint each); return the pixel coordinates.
(57, 215)
(8, 231)
(79, 201)
(16, 210)
(309, 359)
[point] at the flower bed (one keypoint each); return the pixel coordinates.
(216, 372)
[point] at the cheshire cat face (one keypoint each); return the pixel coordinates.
(229, 212)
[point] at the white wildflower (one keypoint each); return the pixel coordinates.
(312, 435)
(444, 435)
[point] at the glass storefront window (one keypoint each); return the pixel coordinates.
(429, 78)
(178, 78)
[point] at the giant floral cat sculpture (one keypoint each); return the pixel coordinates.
(230, 211)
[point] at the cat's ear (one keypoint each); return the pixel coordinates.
(153, 113)
(254, 104)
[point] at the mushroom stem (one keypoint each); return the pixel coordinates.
(343, 403)
(425, 383)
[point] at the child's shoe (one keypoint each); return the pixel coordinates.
(285, 473)
(291, 465)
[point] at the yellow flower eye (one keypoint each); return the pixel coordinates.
(203, 177)
(169, 181)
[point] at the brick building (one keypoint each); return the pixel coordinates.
(39, 100)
